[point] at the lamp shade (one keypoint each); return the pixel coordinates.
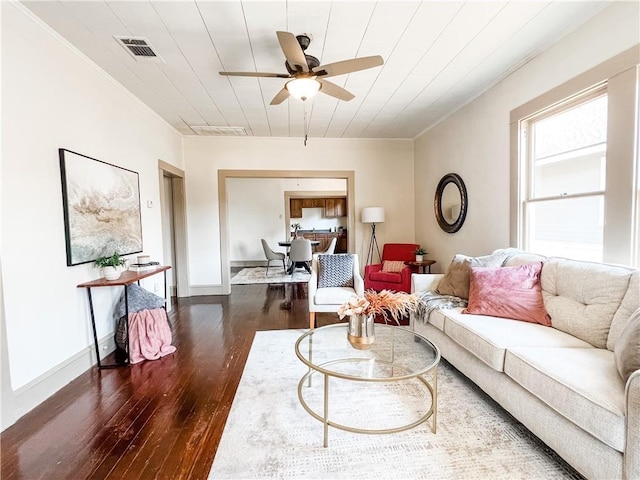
(373, 215)
(303, 88)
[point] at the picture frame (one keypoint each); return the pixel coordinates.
(101, 204)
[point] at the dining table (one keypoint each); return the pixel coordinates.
(291, 267)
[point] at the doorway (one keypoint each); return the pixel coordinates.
(223, 175)
(174, 240)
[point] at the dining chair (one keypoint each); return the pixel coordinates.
(300, 254)
(271, 255)
(331, 248)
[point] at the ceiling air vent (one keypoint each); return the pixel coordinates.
(219, 131)
(139, 48)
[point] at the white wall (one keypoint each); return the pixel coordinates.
(383, 177)
(257, 210)
(52, 97)
(474, 142)
(314, 219)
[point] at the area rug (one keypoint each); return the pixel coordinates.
(248, 276)
(269, 435)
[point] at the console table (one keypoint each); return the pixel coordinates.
(126, 279)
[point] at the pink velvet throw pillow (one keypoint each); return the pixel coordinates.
(508, 292)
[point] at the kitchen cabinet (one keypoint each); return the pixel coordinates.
(335, 207)
(325, 239)
(342, 244)
(313, 203)
(332, 207)
(295, 208)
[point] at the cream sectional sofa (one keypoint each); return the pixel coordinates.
(561, 382)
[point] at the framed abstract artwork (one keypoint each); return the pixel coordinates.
(101, 205)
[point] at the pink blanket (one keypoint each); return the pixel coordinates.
(149, 335)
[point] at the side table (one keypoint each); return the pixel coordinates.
(126, 279)
(421, 267)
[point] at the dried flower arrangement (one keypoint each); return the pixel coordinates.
(389, 305)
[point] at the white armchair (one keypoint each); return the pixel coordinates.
(329, 299)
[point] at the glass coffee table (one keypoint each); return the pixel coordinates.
(379, 382)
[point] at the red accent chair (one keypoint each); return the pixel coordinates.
(376, 279)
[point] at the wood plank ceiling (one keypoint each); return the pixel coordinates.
(439, 55)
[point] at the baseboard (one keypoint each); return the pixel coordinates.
(29, 396)
(248, 263)
(201, 290)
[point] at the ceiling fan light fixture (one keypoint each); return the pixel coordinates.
(303, 88)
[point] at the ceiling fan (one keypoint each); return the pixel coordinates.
(308, 76)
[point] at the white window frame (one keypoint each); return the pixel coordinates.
(621, 74)
(527, 166)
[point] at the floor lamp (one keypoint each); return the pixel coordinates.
(373, 215)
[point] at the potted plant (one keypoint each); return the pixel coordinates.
(362, 311)
(112, 266)
(420, 252)
(296, 227)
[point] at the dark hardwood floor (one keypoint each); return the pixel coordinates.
(158, 419)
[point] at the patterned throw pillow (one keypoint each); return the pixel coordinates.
(392, 266)
(335, 270)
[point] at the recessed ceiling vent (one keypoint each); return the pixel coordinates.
(140, 49)
(206, 130)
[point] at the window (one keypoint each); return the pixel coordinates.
(575, 166)
(563, 154)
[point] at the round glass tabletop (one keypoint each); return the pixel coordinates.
(396, 353)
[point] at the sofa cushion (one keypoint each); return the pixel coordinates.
(387, 277)
(393, 266)
(630, 303)
(489, 337)
(456, 280)
(582, 297)
(579, 383)
(508, 292)
(627, 351)
(335, 270)
(523, 258)
(333, 295)
(438, 317)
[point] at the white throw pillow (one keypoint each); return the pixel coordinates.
(627, 349)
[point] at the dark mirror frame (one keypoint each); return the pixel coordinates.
(437, 202)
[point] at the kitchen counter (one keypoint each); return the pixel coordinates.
(321, 230)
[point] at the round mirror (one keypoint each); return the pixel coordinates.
(450, 203)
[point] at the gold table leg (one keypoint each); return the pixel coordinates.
(326, 410)
(434, 400)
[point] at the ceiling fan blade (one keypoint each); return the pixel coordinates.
(280, 97)
(348, 66)
(335, 91)
(255, 74)
(292, 51)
